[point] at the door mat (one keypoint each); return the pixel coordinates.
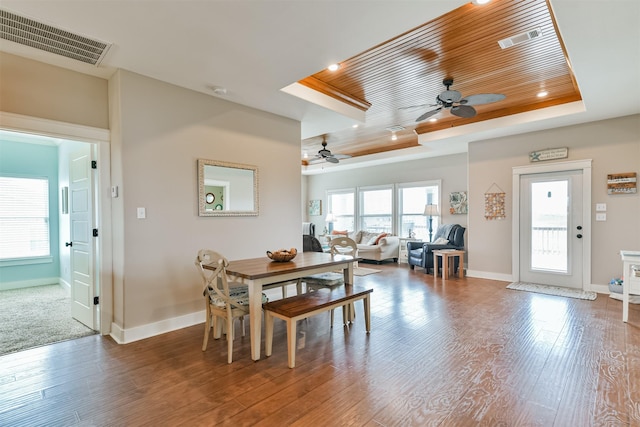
(553, 290)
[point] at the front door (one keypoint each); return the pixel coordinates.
(82, 249)
(551, 228)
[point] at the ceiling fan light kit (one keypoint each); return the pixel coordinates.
(457, 105)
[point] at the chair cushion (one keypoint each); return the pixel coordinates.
(238, 294)
(325, 279)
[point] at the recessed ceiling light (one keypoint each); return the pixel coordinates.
(394, 137)
(354, 126)
(542, 94)
(480, 2)
(433, 120)
(333, 67)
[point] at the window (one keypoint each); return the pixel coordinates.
(412, 198)
(341, 205)
(24, 217)
(376, 209)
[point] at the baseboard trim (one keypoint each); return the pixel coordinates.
(126, 336)
(29, 283)
(490, 275)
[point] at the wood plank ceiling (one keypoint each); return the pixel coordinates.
(462, 44)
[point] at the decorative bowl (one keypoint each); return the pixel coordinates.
(283, 255)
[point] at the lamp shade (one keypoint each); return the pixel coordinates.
(431, 210)
(330, 218)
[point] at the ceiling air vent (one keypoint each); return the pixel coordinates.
(520, 38)
(41, 36)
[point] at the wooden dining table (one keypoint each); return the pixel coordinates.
(259, 272)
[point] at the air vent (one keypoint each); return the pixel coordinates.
(396, 128)
(41, 36)
(520, 38)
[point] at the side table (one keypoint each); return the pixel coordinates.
(403, 255)
(445, 254)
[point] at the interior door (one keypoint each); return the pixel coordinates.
(551, 228)
(82, 240)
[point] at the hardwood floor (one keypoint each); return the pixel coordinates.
(462, 353)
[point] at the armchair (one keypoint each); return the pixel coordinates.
(421, 254)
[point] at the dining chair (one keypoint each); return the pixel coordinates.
(339, 246)
(224, 301)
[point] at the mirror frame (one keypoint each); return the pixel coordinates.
(202, 211)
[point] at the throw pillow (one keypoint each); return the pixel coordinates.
(440, 241)
(339, 232)
(380, 236)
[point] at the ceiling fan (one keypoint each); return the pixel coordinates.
(459, 106)
(325, 154)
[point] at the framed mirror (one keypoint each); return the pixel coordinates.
(227, 189)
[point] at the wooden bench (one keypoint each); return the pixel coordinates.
(301, 306)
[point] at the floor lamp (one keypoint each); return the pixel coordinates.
(431, 211)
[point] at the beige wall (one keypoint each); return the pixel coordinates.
(35, 89)
(614, 146)
(163, 130)
(452, 170)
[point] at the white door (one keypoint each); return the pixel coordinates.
(82, 240)
(551, 228)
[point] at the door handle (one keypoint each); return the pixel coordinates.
(579, 236)
(67, 244)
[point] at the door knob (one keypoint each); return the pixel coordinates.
(579, 227)
(579, 236)
(67, 244)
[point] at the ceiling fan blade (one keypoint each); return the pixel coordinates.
(428, 114)
(332, 159)
(341, 156)
(482, 98)
(411, 107)
(465, 111)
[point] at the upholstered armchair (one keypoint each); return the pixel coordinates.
(421, 254)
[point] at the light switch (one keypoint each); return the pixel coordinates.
(142, 213)
(601, 207)
(601, 217)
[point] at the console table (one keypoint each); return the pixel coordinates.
(631, 281)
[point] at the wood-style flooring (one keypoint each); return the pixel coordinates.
(464, 352)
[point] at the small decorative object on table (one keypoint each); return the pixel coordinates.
(283, 255)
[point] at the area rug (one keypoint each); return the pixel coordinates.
(362, 271)
(36, 316)
(553, 290)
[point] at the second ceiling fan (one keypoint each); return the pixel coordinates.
(459, 106)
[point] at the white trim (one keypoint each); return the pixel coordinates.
(22, 284)
(102, 137)
(490, 275)
(585, 166)
(52, 128)
(125, 336)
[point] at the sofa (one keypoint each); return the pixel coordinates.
(372, 246)
(448, 236)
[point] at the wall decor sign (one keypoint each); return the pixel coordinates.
(549, 154)
(622, 183)
(315, 207)
(458, 203)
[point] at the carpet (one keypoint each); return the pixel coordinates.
(32, 317)
(553, 290)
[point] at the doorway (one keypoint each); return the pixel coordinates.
(99, 140)
(551, 221)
